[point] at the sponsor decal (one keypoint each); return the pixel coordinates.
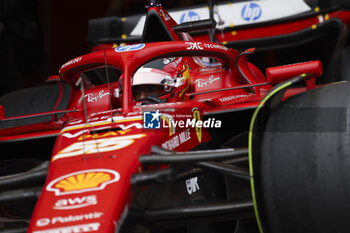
(67, 219)
(104, 135)
(201, 46)
(215, 46)
(73, 229)
(177, 140)
(165, 15)
(69, 135)
(231, 97)
(124, 128)
(201, 83)
(251, 11)
(83, 181)
(103, 120)
(97, 146)
(43, 222)
(75, 60)
(189, 16)
(192, 185)
(194, 45)
(94, 99)
(151, 120)
(128, 48)
(75, 203)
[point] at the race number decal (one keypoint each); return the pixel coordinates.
(97, 146)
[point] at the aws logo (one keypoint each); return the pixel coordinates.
(83, 181)
(75, 202)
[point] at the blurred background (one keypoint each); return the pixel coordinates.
(38, 36)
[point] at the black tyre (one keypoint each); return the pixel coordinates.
(305, 163)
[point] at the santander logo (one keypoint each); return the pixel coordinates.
(75, 202)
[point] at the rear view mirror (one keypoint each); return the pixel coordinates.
(279, 74)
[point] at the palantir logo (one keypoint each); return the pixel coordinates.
(151, 120)
(251, 12)
(189, 16)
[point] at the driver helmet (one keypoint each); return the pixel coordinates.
(157, 86)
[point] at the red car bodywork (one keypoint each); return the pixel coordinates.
(97, 148)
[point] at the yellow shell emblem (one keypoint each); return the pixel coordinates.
(83, 181)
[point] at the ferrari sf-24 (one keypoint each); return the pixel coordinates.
(175, 134)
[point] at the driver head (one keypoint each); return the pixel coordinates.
(152, 82)
(141, 92)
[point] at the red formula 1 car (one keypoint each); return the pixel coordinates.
(175, 134)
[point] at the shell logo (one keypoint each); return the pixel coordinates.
(83, 181)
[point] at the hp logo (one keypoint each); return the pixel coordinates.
(251, 12)
(189, 16)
